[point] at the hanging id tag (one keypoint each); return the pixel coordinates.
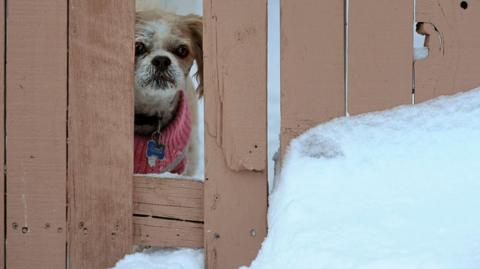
(154, 150)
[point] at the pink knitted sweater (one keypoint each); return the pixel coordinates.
(167, 153)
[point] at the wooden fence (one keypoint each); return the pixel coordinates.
(67, 117)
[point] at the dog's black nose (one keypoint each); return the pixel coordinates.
(161, 62)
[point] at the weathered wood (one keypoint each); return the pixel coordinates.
(100, 152)
(235, 41)
(380, 55)
(2, 132)
(36, 85)
(454, 56)
(312, 65)
(168, 198)
(159, 232)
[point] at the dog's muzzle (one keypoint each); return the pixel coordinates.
(162, 76)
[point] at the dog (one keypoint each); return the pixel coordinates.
(166, 46)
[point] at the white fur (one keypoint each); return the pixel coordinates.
(149, 100)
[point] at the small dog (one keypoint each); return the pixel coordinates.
(166, 46)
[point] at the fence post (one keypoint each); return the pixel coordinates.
(36, 104)
(100, 151)
(380, 54)
(235, 42)
(312, 65)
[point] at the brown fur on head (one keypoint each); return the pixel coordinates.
(166, 46)
(193, 25)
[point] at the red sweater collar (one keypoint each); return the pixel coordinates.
(167, 153)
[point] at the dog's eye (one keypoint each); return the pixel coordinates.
(182, 51)
(140, 49)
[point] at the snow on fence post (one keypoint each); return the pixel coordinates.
(235, 52)
(380, 54)
(453, 62)
(100, 151)
(312, 65)
(36, 145)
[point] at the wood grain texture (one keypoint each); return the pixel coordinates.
(238, 69)
(235, 63)
(100, 152)
(168, 198)
(2, 132)
(454, 55)
(36, 126)
(312, 65)
(159, 232)
(380, 55)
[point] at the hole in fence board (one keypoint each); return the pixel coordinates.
(168, 88)
(420, 49)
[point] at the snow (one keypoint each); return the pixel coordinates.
(420, 53)
(419, 50)
(163, 259)
(396, 189)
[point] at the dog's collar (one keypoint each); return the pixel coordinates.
(142, 119)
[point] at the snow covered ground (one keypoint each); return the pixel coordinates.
(390, 190)
(165, 259)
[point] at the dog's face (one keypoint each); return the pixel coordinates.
(166, 45)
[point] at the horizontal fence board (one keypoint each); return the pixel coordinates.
(380, 55)
(100, 152)
(453, 62)
(168, 198)
(36, 105)
(235, 53)
(312, 65)
(159, 232)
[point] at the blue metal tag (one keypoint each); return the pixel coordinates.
(154, 151)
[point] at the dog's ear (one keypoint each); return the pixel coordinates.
(194, 26)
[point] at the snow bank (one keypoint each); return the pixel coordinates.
(391, 190)
(163, 259)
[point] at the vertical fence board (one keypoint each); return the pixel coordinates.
(380, 54)
(36, 126)
(2, 133)
(100, 159)
(235, 41)
(453, 62)
(312, 64)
